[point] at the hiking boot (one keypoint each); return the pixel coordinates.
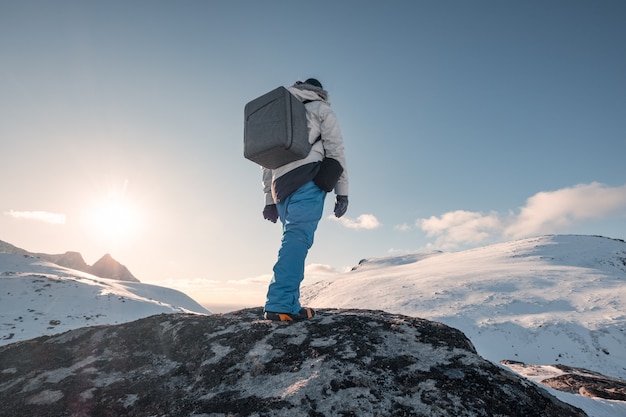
(303, 314)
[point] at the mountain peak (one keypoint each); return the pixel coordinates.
(107, 267)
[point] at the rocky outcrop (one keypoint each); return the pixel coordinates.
(341, 363)
(589, 385)
(575, 380)
(72, 260)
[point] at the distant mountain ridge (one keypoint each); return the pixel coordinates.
(105, 267)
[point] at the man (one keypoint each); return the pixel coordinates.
(293, 194)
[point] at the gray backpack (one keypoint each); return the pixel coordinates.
(275, 129)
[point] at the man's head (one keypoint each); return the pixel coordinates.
(314, 83)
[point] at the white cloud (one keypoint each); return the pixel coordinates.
(364, 221)
(460, 227)
(317, 272)
(552, 211)
(319, 269)
(43, 216)
(544, 213)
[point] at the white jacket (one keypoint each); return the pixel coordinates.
(321, 121)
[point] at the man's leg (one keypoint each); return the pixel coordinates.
(300, 213)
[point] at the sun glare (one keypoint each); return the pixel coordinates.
(114, 220)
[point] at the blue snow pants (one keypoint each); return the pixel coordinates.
(299, 213)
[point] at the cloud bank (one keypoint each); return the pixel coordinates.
(43, 216)
(544, 213)
(364, 221)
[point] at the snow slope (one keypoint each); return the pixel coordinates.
(545, 300)
(41, 298)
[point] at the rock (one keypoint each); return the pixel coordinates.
(341, 363)
(587, 383)
(572, 380)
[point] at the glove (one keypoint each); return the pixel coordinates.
(270, 212)
(341, 205)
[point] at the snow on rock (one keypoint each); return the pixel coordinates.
(41, 298)
(574, 380)
(340, 363)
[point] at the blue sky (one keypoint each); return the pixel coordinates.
(465, 123)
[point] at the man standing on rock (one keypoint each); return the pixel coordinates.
(295, 193)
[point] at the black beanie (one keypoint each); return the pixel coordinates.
(314, 82)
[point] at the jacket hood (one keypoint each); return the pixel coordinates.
(307, 88)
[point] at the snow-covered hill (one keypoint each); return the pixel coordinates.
(41, 298)
(542, 301)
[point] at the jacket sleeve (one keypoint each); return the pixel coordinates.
(267, 185)
(333, 145)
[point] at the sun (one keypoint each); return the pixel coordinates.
(114, 219)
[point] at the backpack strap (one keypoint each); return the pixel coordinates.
(320, 136)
